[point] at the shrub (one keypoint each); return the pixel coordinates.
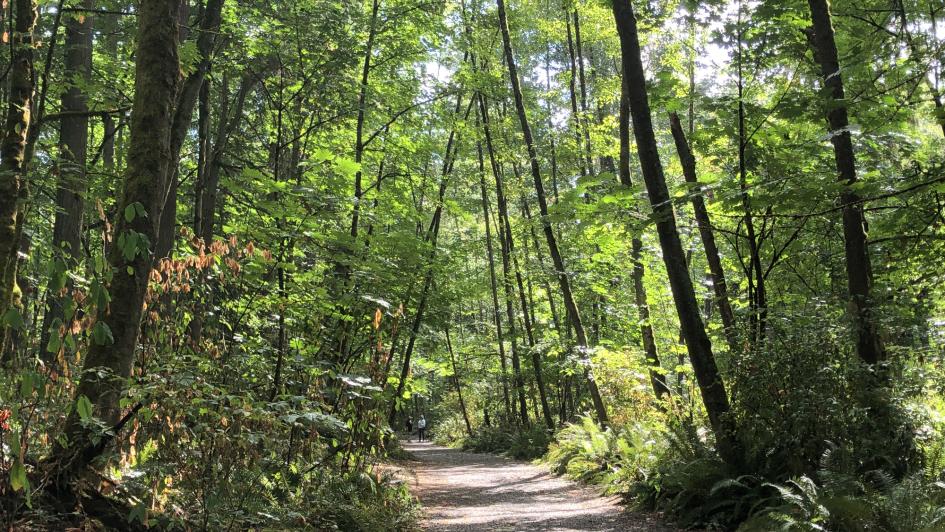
(450, 431)
(523, 444)
(615, 459)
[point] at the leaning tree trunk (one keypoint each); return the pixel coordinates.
(507, 247)
(558, 261)
(431, 237)
(869, 346)
(73, 183)
(13, 186)
(657, 378)
(497, 313)
(697, 341)
(111, 355)
(712, 256)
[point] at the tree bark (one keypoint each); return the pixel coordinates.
(869, 345)
(561, 271)
(110, 358)
(697, 341)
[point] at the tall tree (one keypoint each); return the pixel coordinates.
(73, 152)
(507, 248)
(493, 284)
(869, 345)
(657, 378)
(111, 356)
(562, 273)
(706, 371)
(714, 260)
(208, 29)
(431, 237)
(13, 185)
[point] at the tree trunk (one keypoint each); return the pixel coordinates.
(533, 347)
(757, 294)
(73, 183)
(869, 346)
(228, 123)
(526, 213)
(657, 379)
(697, 341)
(507, 248)
(110, 358)
(359, 131)
(572, 90)
(497, 314)
(203, 149)
(561, 271)
(183, 116)
(431, 237)
(579, 48)
(688, 162)
(457, 383)
(13, 185)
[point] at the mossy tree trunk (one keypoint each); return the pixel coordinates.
(111, 356)
(13, 185)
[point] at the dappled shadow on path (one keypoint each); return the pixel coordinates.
(465, 491)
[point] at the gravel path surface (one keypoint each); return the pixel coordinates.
(481, 492)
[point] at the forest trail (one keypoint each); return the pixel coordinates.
(475, 492)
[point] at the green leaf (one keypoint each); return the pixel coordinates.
(14, 319)
(84, 408)
(26, 384)
(18, 480)
(102, 334)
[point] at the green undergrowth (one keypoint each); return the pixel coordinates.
(673, 470)
(521, 443)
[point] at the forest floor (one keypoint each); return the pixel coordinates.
(475, 492)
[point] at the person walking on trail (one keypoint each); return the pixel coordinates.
(409, 429)
(421, 426)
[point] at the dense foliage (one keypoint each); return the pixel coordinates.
(687, 250)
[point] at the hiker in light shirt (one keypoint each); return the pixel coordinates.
(421, 426)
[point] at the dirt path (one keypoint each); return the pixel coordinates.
(479, 492)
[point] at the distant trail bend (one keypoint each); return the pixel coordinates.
(478, 492)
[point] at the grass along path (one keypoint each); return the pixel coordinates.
(477, 492)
